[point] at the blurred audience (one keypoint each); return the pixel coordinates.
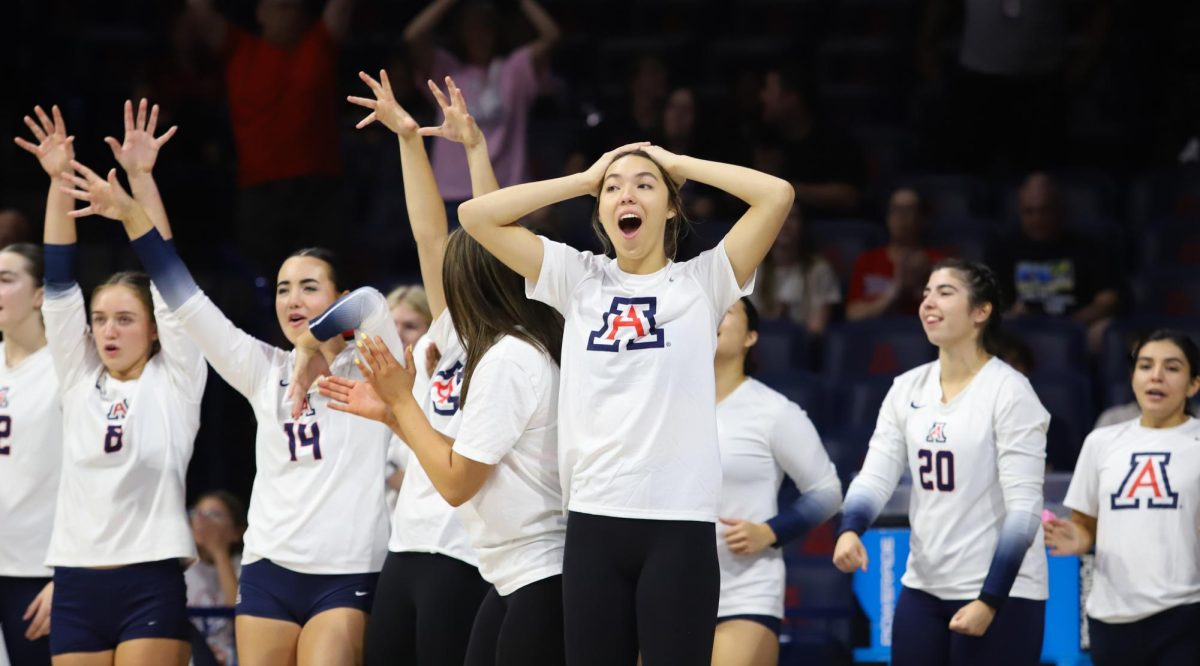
(218, 523)
(14, 227)
(889, 280)
(795, 282)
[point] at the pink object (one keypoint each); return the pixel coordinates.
(1048, 515)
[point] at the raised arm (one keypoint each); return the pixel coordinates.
(548, 32)
(54, 151)
(137, 155)
(426, 210)
(492, 219)
(770, 199)
(416, 33)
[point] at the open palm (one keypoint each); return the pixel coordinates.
(138, 152)
(105, 196)
(354, 396)
(384, 107)
(458, 125)
(54, 149)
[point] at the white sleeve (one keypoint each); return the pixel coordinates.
(242, 360)
(442, 333)
(184, 361)
(501, 401)
(887, 458)
(1020, 424)
(398, 453)
(714, 272)
(69, 337)
(1083, 495)
(563, 267)
(798, 450)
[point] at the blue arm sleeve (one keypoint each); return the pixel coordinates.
(810, 510)
(60, 268)
(858, 512)
(1016, 536)
(166, 269)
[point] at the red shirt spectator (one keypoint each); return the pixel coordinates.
(889, 280)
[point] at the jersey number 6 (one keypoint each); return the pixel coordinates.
(940, 466)
(112, 439)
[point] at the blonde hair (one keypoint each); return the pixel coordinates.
(412, 295)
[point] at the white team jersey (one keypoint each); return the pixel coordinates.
(637, 412)
(975, 462)
(30, 462)
(423, 522)
(1143, 487)
(516, 520)
(763, 436)
(126, 444)
(317, 505)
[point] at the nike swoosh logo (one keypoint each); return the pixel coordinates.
(914, 405)
(361, 594)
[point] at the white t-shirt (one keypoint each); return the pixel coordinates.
(763, 436)
(126, 444)
(977, 465)
(516, 520)
(423, 522)
(1143, 487)
(317, 505)
(637, 399)
(30, 462)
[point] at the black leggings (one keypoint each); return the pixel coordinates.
(523, 629)
(1169, 638)
(424, 606)
(632, 584)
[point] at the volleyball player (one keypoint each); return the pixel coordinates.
(318, 521)
(763, 436)
(637, 409)
(501, 465)
(973, 434)
(430, 588)
(131, 385)
(1140, 481)
(30, 435)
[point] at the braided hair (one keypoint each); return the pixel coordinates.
(982, 287)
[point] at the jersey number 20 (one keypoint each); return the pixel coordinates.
(937, 469)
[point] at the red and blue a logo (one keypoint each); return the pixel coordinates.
(3, 396)
(937, 433)
(1146, 480)
(119, 410)
(630, 320)
(444, 388)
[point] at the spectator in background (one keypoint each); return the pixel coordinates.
(14, 227)
(824, 164)
(889, 280)
(282, 106)
(795, 281)
(1049, 269)
(218, 523)
(410, 310)
(501, 88)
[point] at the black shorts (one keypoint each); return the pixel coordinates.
(271, 591)
(95, 610)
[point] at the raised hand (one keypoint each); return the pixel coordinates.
(354, 397)
(105, 197)
(668, 160)
(53, 149)
(139, 151)
(849, 553)
(595, 173)
(392, 382)
(457, 123)
(384, 107)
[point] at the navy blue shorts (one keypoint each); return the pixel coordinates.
(15, 596)
(1168, 638)
(921, 633)
(95, 610)
(271, 591)
(769, 621)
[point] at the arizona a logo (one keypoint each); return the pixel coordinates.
(631, 320)
(937, 433)
(444, 388)
(3, 396)
(118, 410)
(1147, 479)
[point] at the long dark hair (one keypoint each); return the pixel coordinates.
(749, 363)
(35, 262)
(677, 226)
(982, 287)
(487, 301)
(1186, 344)
(331, 259)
